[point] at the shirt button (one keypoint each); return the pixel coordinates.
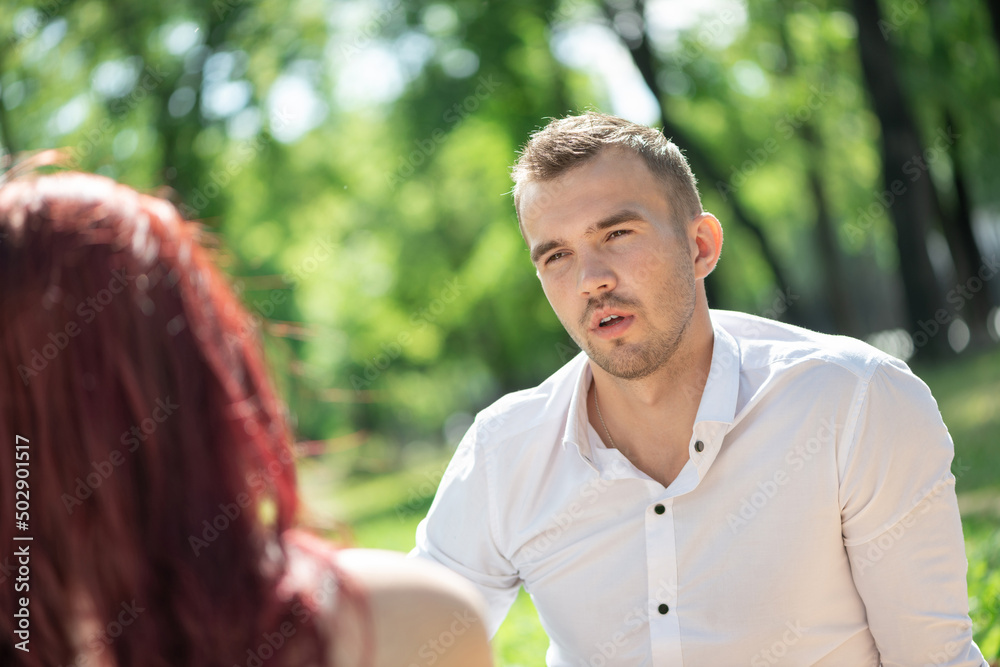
(663, 609)
(699, 446)
(659, 509)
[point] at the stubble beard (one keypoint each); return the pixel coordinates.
(633, 361)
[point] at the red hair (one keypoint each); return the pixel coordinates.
(161, 477)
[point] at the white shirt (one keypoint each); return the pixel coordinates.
(815, 523)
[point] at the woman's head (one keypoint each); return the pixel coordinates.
(156, 443)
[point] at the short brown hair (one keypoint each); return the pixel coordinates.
(569, 142)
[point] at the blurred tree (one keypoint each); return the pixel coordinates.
(994, 9)
(910, 203)
(956, 219)
(353, 158)
(827, 244)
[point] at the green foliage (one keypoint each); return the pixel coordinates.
(353, 159)
(983, 551)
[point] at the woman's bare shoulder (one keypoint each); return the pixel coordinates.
(421, 612)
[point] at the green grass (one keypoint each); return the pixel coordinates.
(968, 394)
(383, 511)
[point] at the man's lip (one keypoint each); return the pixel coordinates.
(595, 320)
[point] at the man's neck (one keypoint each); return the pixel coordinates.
(650, 420)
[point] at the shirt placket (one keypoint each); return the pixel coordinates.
(661, 566)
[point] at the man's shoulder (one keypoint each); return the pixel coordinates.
(766, 343)
(532, 409)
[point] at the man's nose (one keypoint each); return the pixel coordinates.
(596, 275)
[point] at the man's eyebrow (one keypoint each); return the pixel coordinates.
(542, 248)
(627, 215)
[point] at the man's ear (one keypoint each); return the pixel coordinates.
(707, 236)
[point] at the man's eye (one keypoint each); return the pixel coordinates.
(555, 256)
(619, 232)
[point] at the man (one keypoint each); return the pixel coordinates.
(697, 487)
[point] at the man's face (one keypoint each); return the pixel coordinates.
(617, 271)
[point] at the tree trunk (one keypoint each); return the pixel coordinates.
(909, 200)
(969, 297)
(994, 8)
(957, 224)
(828, 248)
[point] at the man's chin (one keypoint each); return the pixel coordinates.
(623, 364)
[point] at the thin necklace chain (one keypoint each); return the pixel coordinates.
(597, 404)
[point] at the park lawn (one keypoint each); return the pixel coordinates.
(383, 511)
(968, 394)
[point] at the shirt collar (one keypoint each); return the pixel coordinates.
(718, 400)
(577, 420)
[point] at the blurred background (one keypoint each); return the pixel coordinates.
(351, 160)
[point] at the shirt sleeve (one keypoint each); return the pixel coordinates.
(902, 528)
(459, 531)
